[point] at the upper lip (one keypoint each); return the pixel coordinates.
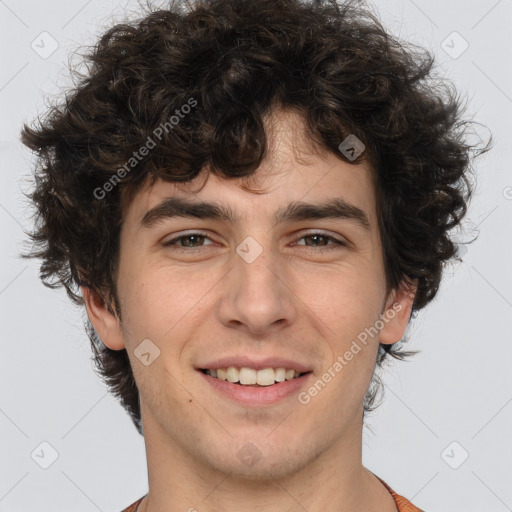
(257, 364)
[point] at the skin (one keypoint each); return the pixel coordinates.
(304, 306)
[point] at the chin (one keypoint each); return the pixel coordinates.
(251, 465)
(266, 472)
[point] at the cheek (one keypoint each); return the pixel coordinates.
(345, 308)
(346, 301)
(157, 299)
(165, 308)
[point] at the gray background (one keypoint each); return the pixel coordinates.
(457, 390)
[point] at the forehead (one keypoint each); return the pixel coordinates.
(294, 169)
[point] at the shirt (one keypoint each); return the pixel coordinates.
(402, 504)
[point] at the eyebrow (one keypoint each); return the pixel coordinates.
(335, 208)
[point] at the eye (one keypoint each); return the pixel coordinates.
(315, 236)
(193, 242)
(193, 238)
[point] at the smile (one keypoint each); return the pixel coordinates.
(246, 376)
(240, 385)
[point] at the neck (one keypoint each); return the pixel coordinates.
(333, 481)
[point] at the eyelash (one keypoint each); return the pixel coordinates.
(336, 245)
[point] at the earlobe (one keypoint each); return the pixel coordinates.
(397, 313)
(106, 325)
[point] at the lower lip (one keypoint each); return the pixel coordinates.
(257, 396)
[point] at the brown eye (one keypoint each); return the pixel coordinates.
(192, 242)
(315, 239)
(318, 245)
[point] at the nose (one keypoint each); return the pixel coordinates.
(257, 295)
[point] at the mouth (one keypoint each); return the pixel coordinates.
(251, 377)
(255, 382)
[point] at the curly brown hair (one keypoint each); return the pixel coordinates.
(237, 59)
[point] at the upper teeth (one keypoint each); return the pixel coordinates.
(244, 375)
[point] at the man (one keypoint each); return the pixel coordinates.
(251, 198)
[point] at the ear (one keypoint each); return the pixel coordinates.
(397, 312)
(106, 324)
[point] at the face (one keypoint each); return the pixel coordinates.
(257, 292)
